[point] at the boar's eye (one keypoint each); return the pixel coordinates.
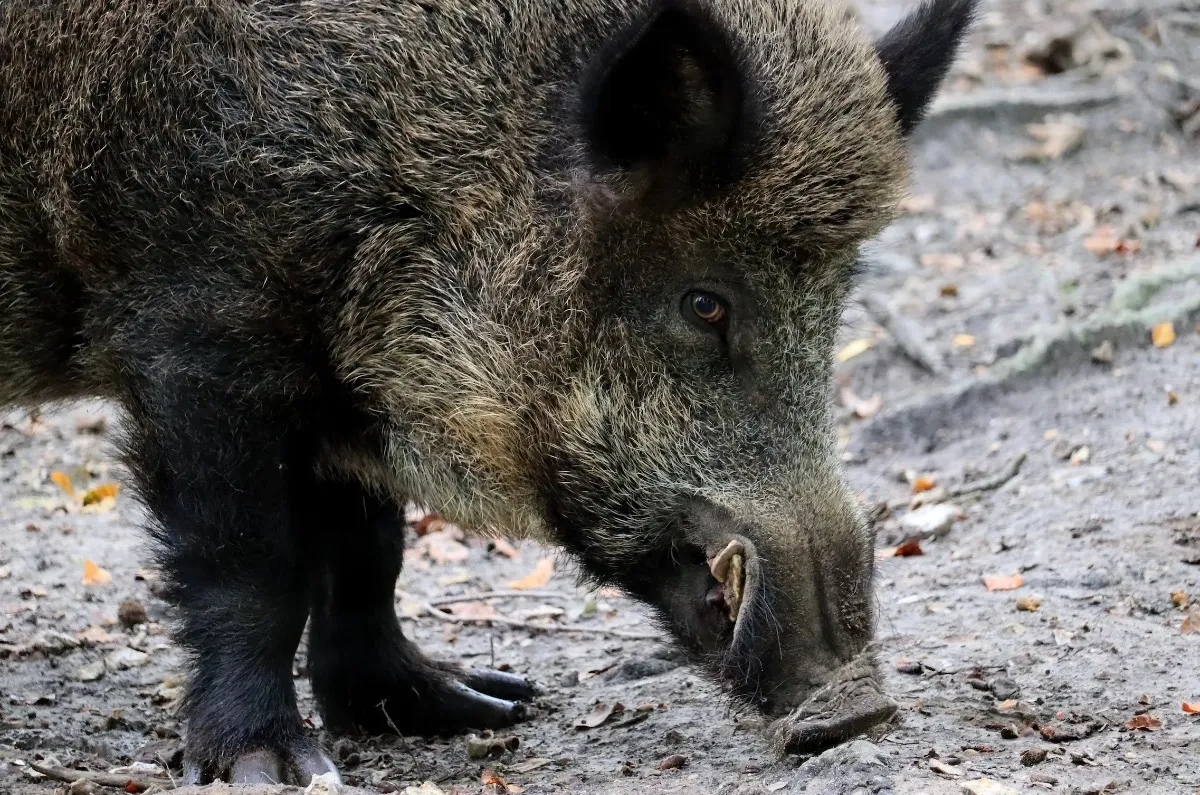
(706, 308)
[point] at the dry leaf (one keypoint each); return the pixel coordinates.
(1191, 708)
(493, 783)
(94, 575)
(537, 578)
(948, 290)
(473, 610)
(920, 203)
(1191, 622)
(923, 483)
(863, 409)
(1172, 397)
(442, 547)
(854, 348)
(102, 492)
(1081, 455)
(63, 482)
(1163, 335)
(1001, 582)
(907, 549)
(96, 635)
(1143, 722)
(963, 340)
(1058, 136)
(1179, 599)
(1028, 604)
(504, 548)
(1105, 241)
(946, 262)
(429, 523)
(599, 714)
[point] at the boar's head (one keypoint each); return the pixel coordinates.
(646, 374)
(739, 154)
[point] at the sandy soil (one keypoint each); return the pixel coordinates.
(1033, 281)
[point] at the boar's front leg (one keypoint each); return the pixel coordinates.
(366, 675)
(220, 468)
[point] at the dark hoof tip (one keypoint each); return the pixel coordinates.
(501, 684)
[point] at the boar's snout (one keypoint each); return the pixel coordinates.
(781, 615)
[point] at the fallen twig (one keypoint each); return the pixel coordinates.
(514, 622)
(903, 332)
(102, 779)
(994, 482)
(966, 489)
(479, 597)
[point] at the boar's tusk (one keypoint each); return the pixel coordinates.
(719, 565)
(728, 567)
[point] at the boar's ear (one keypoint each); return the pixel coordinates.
(917, 53)
(663, 103)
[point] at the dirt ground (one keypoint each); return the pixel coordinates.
(1031, 274)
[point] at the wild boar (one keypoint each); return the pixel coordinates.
(571, 270)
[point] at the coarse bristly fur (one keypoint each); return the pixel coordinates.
(333, 255)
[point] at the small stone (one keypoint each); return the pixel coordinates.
(1033, 756)
(426, 788)
(81, 787)
(125, 658)
(943, 769)
(53, 643)
(1103, 353)
(324, 784)
(930, 521)
(672, 762)
(1028, 604)
(489, 746)
(906, 666)
(90, 672)
(640, 668)
(1010, 732)
(130, 613)
(1004, 688)
(1063, 448)
(986, 786)
(1081, 455)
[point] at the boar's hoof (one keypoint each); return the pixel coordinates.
(295, 765)
(843, 708)
(463, 706)
(499, 684)
(442, 704)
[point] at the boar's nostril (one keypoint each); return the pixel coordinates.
(716, 596)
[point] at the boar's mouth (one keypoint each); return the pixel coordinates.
(773, 641)
(737, 572)
(721, 602)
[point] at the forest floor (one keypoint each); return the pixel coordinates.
(1009, 349)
